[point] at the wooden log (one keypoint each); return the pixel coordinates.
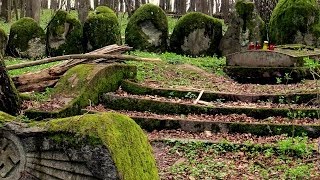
(40, 86)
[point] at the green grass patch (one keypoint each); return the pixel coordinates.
(222, 161)
(207, 63)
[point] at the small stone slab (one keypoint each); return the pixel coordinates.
(261, 58)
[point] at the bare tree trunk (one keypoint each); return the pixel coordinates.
(83, 10)
(192, 6)
(143, 2)
(129, 7)
(122, 6)
(54, 4)
(68, 5)
(6, 10)
(9, 98)
(33, 10)
(137, 4)
(15, 6)
(225, 4)
(210, 5)
(22, 8)
(162, 4)
(204, 6)
(44, 4)
(168, 6)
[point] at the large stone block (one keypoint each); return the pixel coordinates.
(196, 34)
(147, 29)
(103, 146)
(26, 39)
(262, 58)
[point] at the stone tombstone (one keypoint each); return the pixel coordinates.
(296, 22)
(100, 29)
(64, 35)
(245, 26)
(26, 39)
(147, 29)
(196, 34)
(42, 152)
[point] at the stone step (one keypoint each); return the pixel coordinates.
(222, 124)
(299, 97)
(173, 106)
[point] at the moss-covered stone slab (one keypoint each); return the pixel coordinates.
(101, 29)
(117, 102)
(259, 129)
(147, 29)
(82, 86)
(64, 35)
(269, 75)
(245, 26)
(298, 98)
(196, 34)
(100, 146)
(295, 21)
(26, 39)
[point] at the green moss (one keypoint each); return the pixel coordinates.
(71, 40)
(103, 10)
(134, 35)
(189, 23)
(100, 30)
(124, 139)
(244, 8)
(142, 105)
(84, 84)
(4, 117)
(291, 16)
(21, 33)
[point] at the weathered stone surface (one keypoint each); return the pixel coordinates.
(196, 42)
(26, 39)
(152, 32)
(196, 34)
(246, 26)
(263, 59)
(147, 29)
(64, 35)
(58, 150)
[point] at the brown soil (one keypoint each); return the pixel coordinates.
(212, 118)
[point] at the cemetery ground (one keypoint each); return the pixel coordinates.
(199, 153)
(235, 131)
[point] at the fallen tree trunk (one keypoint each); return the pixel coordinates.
(39, 81)
(87, 57)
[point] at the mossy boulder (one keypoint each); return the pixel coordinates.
(64, 35)
(101, 29)
(196, 34)
(26, 39)
(147, 29)
(295, 21)
(3, 42)
(246, 26)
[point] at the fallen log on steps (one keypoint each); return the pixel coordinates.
(39, 81)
